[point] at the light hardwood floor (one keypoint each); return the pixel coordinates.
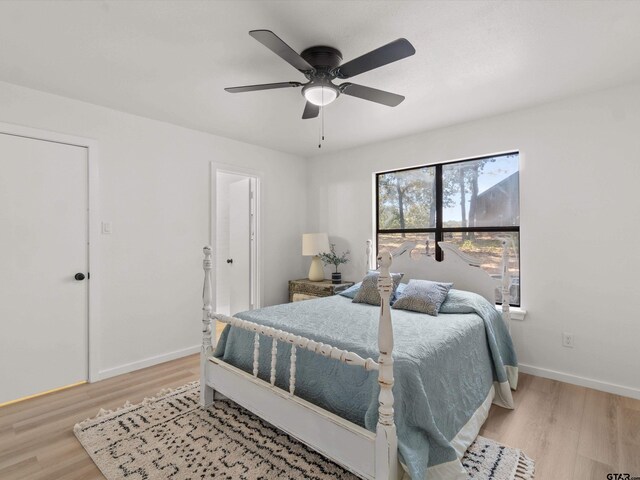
(571, 432)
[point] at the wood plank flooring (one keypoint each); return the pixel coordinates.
(36, 436)
(573, 433)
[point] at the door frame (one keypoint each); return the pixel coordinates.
(256, 262)
(93, 233)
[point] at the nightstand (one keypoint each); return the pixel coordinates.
(305, 289)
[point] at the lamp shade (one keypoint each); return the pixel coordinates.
(314, 243)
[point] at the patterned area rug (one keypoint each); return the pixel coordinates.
(171, 437)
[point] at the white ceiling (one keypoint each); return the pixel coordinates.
(170, 60)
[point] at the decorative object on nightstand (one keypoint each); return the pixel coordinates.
(313, 244)
(331, 258)
(305, 289)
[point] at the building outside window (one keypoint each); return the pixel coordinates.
(472, 203)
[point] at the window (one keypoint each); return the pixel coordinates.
(472, 203)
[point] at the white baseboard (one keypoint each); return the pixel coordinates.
(146, 362)
(581, 381)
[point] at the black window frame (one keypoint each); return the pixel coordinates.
(439, 230)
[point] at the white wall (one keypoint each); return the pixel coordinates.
(154, 187)
(580, 221)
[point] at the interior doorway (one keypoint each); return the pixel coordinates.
(236, 241)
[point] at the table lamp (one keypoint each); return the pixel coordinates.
(312, 245)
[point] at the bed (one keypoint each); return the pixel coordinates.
(309, 369)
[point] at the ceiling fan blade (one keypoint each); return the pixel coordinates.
(264, 86)
(391, 52)
(310, 111)
(284, 51)
(371, 94)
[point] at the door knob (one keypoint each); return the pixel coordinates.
(229, 260)
(79, 276)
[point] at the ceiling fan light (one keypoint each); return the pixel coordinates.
(320, 95)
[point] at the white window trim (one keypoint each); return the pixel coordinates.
(517, 313)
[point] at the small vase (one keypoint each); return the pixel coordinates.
(336, 278)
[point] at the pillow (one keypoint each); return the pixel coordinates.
(398, 292)
(423, 296)
(368, 292)
(351, 291)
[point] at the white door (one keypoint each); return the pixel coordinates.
(43, 245)
(236, 252)
(240, 245)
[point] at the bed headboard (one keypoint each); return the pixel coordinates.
(457, 267)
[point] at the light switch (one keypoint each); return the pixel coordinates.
(106, 228)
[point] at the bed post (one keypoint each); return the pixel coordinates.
(506, 284)
(369, 266)
(386, 438)
(206, 392)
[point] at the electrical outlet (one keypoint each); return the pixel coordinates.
(567, 340)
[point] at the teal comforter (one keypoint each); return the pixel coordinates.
(446, 368)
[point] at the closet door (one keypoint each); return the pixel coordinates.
(43, 266)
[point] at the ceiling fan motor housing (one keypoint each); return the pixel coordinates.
(320, 91)
(322, 58)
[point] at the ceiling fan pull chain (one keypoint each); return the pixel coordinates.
(321, 126)
(320, 132)
(322, 112)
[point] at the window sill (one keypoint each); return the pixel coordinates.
(517, 313)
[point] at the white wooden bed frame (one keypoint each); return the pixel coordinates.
(367, 454)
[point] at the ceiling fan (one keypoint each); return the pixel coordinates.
(321, 65)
